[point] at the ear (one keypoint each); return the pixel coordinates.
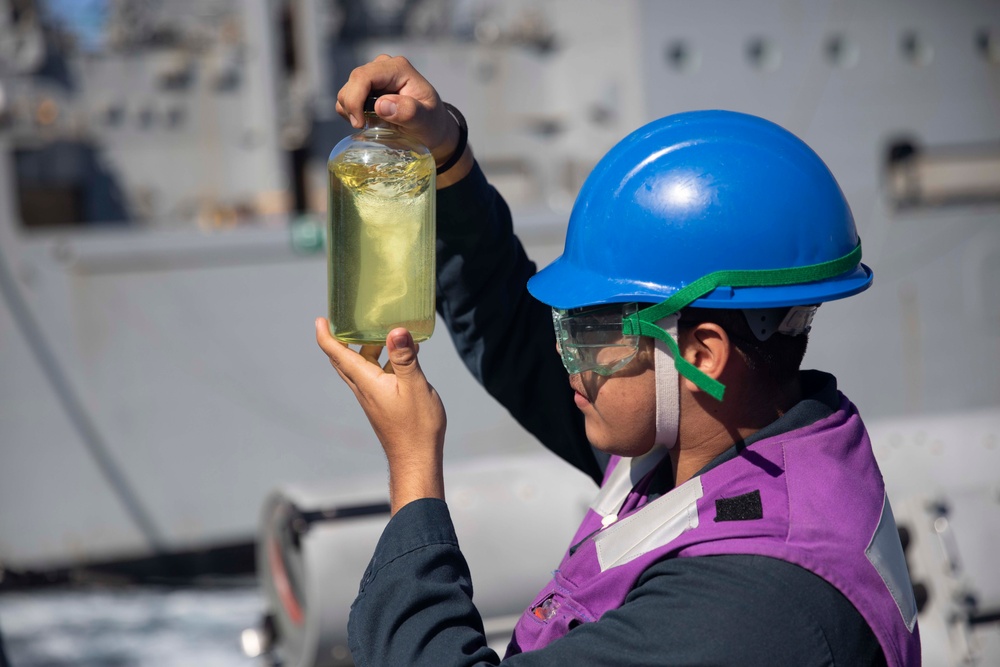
(707, 347)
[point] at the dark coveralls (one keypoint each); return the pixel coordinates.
(415, 605)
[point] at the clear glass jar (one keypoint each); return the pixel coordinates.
(380, 234)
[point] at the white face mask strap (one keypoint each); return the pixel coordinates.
(668, 404)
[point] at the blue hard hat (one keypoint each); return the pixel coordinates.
(707, 193)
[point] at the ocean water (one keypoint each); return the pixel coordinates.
(130, 626)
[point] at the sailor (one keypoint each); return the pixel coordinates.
(741, 517)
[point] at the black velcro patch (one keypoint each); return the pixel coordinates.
(739, 508)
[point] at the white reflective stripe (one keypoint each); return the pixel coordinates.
(656, 524)
(885, 553)
(626, 475)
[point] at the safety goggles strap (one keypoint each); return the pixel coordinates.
(643, 322)
(710, 386)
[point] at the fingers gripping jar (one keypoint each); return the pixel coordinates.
(380, 234)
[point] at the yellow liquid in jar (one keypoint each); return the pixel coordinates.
(380, 245)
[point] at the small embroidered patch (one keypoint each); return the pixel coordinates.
(739, 508)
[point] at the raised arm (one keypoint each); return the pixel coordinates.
(502, 333)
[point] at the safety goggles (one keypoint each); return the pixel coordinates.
(594, 341)
(591, 339)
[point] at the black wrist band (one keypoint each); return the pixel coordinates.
(463, 139)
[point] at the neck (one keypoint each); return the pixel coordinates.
(708, 427)
(373, 122)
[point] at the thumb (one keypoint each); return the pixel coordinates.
(402, 110)
(403, 354)
(432, 127)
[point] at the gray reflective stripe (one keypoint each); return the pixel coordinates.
(886, 555)
(656, 524)
(626, 475)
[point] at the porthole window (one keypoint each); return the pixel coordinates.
(916, 49)
(988, 44)
(681, 56)
(763, 54)
(841, 51)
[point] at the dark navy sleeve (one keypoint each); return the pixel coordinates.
(415, 602)
(502, 333)
(415, 608)
(730, 610)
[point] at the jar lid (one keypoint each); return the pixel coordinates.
(370, 101)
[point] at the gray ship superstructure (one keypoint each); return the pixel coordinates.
(162, 203)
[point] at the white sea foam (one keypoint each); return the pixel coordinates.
(126, 627)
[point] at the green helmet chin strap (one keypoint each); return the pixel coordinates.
(643, 322)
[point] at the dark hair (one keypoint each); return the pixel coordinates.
(774, 361)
